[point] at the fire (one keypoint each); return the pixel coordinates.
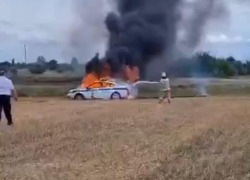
(131, 74)
(92, 80)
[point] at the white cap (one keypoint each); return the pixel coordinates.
(163, 74)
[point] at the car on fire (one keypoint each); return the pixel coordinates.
(117, 91)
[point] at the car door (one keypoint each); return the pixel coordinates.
(88, 93)
(102, 93)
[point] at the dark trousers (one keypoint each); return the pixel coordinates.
(6, 106)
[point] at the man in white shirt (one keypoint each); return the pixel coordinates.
(165, 90)
(7, 91)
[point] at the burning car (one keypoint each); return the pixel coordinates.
(110, 90)
(101, 80)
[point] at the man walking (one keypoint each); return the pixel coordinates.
(165, 91)
(7, 91)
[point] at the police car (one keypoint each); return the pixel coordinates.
(106, 93)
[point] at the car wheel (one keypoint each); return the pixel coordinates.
(79, 97)
(116, 95)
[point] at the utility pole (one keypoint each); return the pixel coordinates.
(25, 56)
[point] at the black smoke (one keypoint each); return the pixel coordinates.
(95, 65)
(142, 30)
(144, 33)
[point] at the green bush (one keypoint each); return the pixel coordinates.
(52, 65)
(37, 69)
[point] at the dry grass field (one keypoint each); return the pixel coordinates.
(194, 138)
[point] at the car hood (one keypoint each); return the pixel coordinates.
(75, 90)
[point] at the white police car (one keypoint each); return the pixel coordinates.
(116, 92)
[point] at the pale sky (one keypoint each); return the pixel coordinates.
(45, 26)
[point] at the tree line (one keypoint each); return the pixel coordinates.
(201, 64)
(205, 65)
(40, 66)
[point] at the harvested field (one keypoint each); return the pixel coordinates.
(194, 138)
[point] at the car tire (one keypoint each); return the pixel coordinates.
(79, 97)
(116, 96)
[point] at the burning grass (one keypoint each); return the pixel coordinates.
(204, 138)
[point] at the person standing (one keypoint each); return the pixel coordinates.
(165, 90)
(7, 91)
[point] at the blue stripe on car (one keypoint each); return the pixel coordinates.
(103, 89)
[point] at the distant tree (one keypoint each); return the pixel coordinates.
(231, 59)
(41, 60)
(247, 67)
(13, 62)
(205, 63)
(22, 65)
(74, 63)
(97, 55)
(240, 68)
(37, 69)
(5, 63)
(52, 65)
(226, 69)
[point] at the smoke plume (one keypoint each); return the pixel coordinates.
(194, 24)
(143, 30)
(149, 34)
(144, 33)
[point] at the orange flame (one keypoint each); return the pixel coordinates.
(131, 74)
(91, 80)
